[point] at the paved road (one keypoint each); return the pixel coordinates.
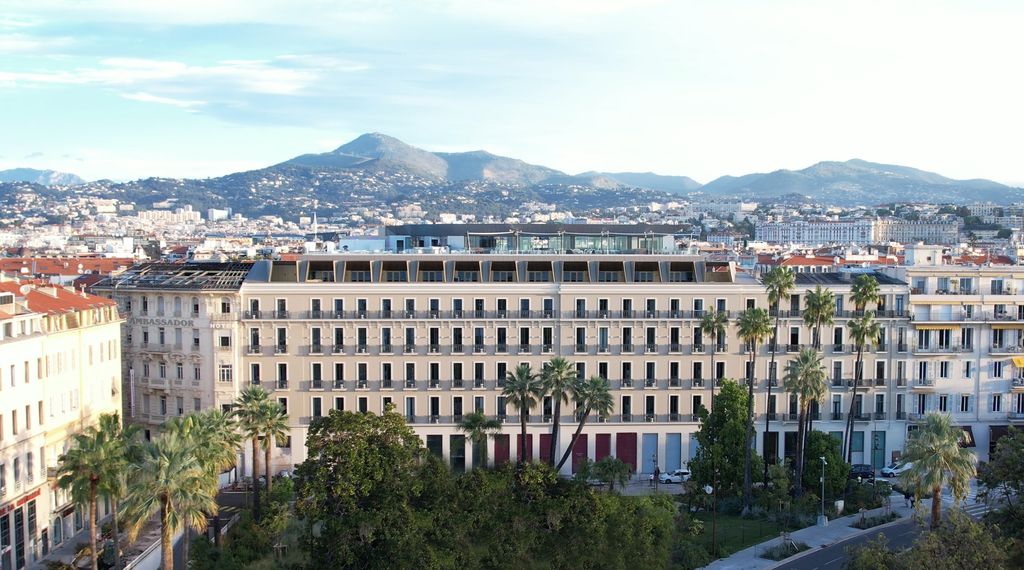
(900, 535)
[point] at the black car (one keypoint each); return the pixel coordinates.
(862, 470)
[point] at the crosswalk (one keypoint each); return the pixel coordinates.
(971, 504)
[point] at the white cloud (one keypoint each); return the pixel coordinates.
(290, 75)
(150, 98)
(28, 44)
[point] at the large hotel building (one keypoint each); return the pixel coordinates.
(433, 323)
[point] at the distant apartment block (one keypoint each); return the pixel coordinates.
(857, 231)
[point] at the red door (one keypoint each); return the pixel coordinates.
(602, 446)
(501, 449)
(528, 456)
(625, 448)
(545, 447)
(579, 452)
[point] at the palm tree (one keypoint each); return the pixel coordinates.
(754, 326)
(273, 427)
(863, 330)
(820, 308)
(779, 284)
(522, 390)
(248, 408)
(479, 428)
(805, 377)
(592, 395)
(124, 450)
(938, 460)
(170, 481)
(712, 325)
(864, 291)
(215, 442)
(84, 470)
(560, 383)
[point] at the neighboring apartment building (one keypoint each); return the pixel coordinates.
(60, 368)
(968, 341)
(908, 231)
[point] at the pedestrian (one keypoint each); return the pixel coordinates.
(657, 474)
(650, 480)
(906, 498)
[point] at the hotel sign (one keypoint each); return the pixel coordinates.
(160, 322)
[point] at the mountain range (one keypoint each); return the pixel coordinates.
(383, 166)
(44, 177)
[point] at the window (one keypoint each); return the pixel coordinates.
(224, 341)
(968, 369)
(196, 404)
(943, 403)
(858, 441)
(254, 373)
(163, 405)
(997, 402)
(224, 372)
(997, 369)
(944, 369)
(317, 407)
(965, 403)
(283, 402)
(225, 305)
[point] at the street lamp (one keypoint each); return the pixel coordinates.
(713, 491)
(823, 520)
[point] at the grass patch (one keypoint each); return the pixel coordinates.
(783, 551)
(869, 522)
(735, 533)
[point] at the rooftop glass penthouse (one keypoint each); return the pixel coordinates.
(535, 238)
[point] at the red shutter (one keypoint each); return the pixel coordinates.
(529, 446)
(602, 446)
(625, 448)
(501, 449)
(579, 452)
(545, 447)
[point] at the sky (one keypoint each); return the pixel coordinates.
(126, 89)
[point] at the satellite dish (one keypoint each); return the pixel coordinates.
(24, 289)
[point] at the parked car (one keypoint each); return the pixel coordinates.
(896, 468)
(863, 471)
(677, 476)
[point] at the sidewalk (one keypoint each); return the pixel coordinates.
(813, 536)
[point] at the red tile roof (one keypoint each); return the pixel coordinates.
(55, 300)
(64, 265)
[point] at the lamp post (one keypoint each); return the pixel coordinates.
(713, 491)
(823, 520)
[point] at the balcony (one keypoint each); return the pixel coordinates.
(1015, 416)
(547, 348)
(627, 383)
(580, 348)
(627, 417)
(316, 384)
(650, 383)
(721, 348)
(697, 349)
(409, 349)
(650, 348)
(1018, 384)
(316, 349)
(387, 348)
(501, 348)
(948, 349)
(697, 383)
(674, 383)
(252, 315)
(923, 384)
(457, 383)
(675, 347)
(279, 314)
(836, 416)
(479, 383)
(282, 384)
(339, 384)
(862, 417)
(281, 349)
(410, 384)
(479, 348)
(878, 416)
(434, 348)
(362, 384)
(626, 347)
(1007, 349)
(525, 348)
(254, 349)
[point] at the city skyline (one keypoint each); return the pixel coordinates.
(119, 90)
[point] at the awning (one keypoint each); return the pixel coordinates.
(1008, 326)
(1018, 361)
(936, 327)
(968, 439)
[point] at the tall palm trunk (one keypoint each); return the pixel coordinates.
(748, 456)
(572, 441)
(714, 347)
(523, 414)
(166, 546)
(554, 432)
(117, 533)
(266, 465)
(857, 375)
(256, 479)
(92, 525)
(936, 506)
(801, 435)
(768, 398)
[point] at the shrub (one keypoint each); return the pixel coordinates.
(687, 555)
(869, 522)
(784, 550)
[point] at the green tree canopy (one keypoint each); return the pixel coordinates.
(721, 441)
(837, 472)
